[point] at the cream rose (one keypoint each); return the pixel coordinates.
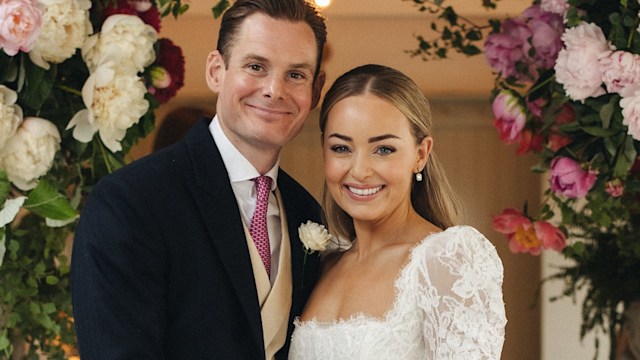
(65, 27)
(314, 237)
(30, 153)
(114, 102)
(124, 40)
(10, 114)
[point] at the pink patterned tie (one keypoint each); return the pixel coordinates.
(258, 226)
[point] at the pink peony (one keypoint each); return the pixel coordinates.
(20, 23)
(509, 115)
(505, 49)
(509, 221)
(550, 236)
(569, 179)
(631, 114)
(577, 67)
(559, 7)
(614, 187)
(546, 29)
(620, 71)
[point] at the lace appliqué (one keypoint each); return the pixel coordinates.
(448, 306)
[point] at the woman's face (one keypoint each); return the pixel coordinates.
(370, 157)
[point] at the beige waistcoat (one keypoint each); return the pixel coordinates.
(275, 302)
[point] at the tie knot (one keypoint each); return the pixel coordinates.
(263, 185)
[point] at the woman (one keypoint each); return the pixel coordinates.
(412, 285)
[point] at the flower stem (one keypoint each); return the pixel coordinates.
(105, 157)
(70, 90)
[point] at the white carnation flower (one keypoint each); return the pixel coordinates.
(124, 40)
(10, 114)
(114, 102)
(30, 153)
(65, 27)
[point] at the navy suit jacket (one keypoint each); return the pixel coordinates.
(160, 265)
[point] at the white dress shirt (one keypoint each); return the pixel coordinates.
(241, 172)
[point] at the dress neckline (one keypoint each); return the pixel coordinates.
(388, 315)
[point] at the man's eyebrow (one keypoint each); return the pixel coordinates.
(262, 59)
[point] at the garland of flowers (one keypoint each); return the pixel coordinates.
(79, 83)
(568, 90)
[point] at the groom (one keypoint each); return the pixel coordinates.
(193, 252)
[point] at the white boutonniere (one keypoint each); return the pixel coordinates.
(315, 237)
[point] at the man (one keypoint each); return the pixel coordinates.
(167, 263)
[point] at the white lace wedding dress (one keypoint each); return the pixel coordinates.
(448, 305)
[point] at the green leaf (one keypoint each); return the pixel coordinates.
(606, 112)
(51, 280)
(45, 201)
(48, 308)
(5, 185)
(597, 131)
(4, 342)
(38, 85)
(219, 8)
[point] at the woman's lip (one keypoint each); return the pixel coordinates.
(363, 191)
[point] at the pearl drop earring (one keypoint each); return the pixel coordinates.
(418, 176)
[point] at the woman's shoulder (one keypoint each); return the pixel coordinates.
(456, 242)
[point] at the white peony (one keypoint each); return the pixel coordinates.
(30, 153)
(10, 114)
(114, 102)
(631, 114)
(577, 67)
(65, 27)
(124, 40)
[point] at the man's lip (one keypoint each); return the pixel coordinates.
(270, 110)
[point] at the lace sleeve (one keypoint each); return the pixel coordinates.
(459, 294)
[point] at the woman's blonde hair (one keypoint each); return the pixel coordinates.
(433, 198)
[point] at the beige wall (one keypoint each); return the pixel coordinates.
(486, 173)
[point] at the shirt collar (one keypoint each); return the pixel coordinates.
(238, 167)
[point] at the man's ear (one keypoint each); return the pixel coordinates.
(215, 71)
(317, 88)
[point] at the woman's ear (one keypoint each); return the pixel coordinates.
(215, 71)
(424, 149)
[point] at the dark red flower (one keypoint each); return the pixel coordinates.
(167, 74)
(144, 9)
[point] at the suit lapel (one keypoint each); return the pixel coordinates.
(217, 204)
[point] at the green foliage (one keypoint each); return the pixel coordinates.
(35, 300)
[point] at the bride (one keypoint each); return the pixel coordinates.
(412, 285)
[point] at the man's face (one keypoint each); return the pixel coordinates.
(266, 90)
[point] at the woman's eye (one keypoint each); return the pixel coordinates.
(339, 149)
(385, 150)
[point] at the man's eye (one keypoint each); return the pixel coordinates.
(255, 67)
(297, 76)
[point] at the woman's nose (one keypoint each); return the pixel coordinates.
(361, 167)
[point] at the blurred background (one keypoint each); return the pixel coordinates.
(486, 173)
